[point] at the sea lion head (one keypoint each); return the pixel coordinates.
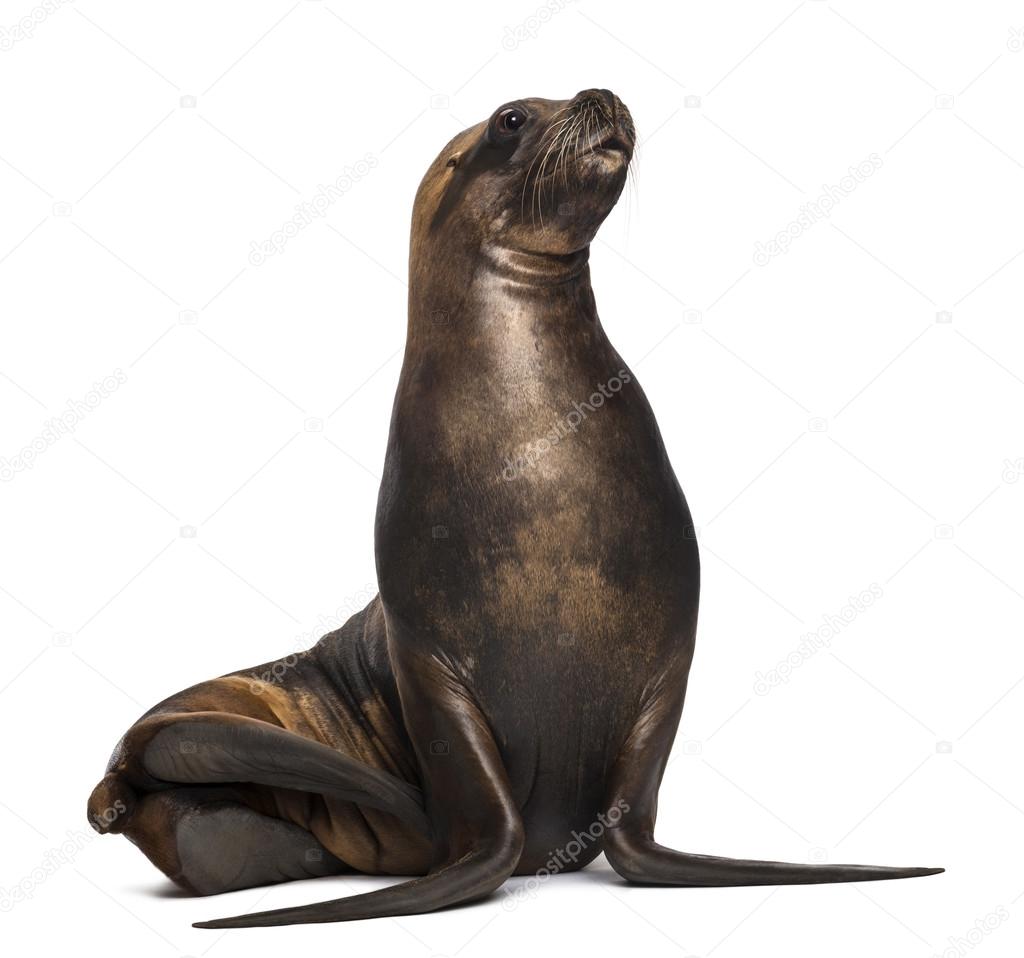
(537, 177)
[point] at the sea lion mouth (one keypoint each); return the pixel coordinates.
(616, 142)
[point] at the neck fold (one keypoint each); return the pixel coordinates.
(536, 269)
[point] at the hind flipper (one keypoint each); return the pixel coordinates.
(208, 841)
(214, 747)
(478, 833)
(633, 791)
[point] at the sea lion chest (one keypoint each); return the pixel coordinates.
(529, 526)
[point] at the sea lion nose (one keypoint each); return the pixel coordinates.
(605, 96)
(605, 100)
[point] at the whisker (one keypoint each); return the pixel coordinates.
(576, 153)
(565, 141)
(526, 180)
(562, 156)
(540, 174)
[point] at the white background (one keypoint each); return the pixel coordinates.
(846, 415)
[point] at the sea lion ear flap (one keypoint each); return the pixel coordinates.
(465, 165)
(455, 184)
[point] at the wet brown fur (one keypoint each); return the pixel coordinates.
(523, 670)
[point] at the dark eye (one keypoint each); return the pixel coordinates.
(511, 120)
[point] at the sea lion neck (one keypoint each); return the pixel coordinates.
(497, 285)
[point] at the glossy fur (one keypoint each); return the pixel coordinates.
(508, 702)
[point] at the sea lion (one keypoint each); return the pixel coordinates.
(514, 689)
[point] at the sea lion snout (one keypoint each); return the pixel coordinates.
(614, 128)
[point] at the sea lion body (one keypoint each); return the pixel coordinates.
(569, 585)
(507, 704)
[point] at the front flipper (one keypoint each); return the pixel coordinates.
(629, 843)
(478, 834)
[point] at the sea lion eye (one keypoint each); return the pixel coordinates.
(511, 120)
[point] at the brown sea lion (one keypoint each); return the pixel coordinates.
(515, 688)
